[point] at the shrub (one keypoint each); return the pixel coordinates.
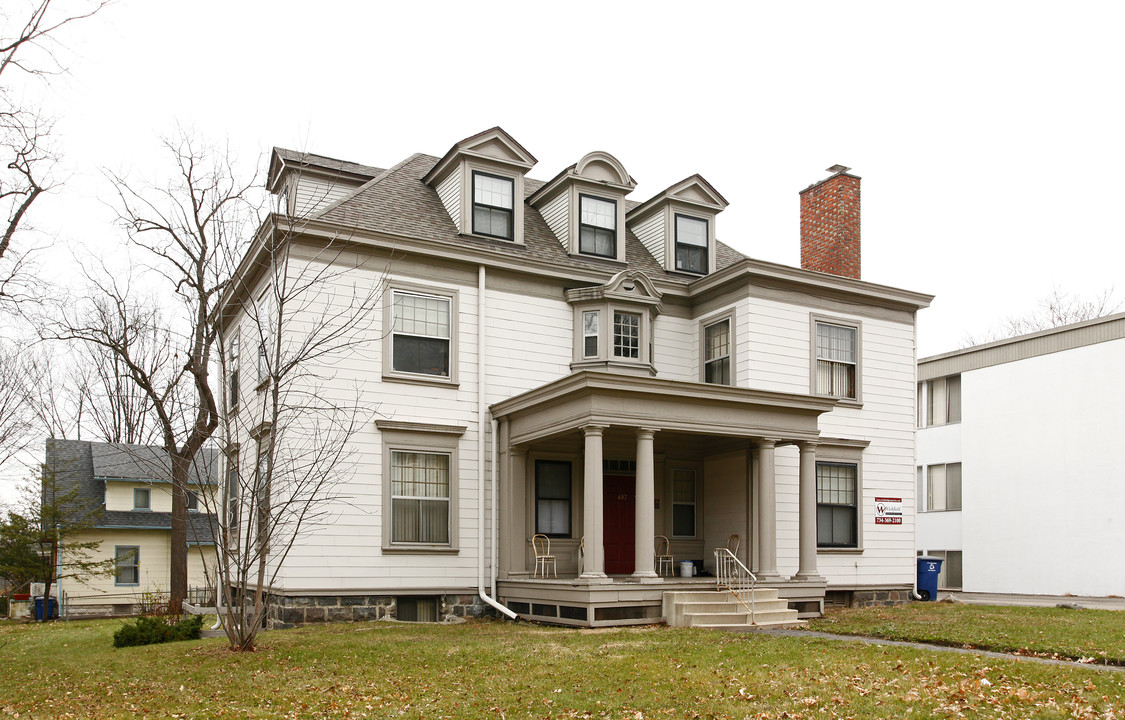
(150, 630)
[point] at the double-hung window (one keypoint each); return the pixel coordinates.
(716, 352)
(232, 370)
(552, 498)
(597, 226)
(626, 335)
(943, 491)
(142, 499)
(683, 503)
(591, 322)
(421, 334)
(836, 360)
(192, 502)
(493, 204)
(836, 505)
(419, 497)
(127, 562)
(691, 244)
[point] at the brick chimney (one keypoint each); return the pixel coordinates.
(830, 224)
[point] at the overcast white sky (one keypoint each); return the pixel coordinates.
(988, 135)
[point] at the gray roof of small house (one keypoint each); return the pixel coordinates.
(87, 466)
(397, 202)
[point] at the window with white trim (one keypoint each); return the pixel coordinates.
(716, 353)
(192, 501)
(421, 333)
(142, 499)
(836, 505)
(263, 316)
(691, 244)
(591, 322)
(939, 401)
(626, 335)
(493, 205)
(420, 497)
(836, 360)
(683, 503)
(127, 564)
(597, 226)
(552, 497)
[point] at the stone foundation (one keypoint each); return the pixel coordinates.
(286, 611)
(879, 598)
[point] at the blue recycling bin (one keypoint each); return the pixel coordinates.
(52, 608)
(928, 569)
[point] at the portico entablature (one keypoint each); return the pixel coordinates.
(592, 397)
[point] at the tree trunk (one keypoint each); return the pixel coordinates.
(181, 473)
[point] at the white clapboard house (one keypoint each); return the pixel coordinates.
(562, 359)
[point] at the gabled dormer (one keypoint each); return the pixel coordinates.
(613, 324)
(584, 206)
(678, 225)
(481, 184)
(304, 183)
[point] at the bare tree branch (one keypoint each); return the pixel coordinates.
(1053, 310)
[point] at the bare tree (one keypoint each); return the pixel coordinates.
(302, 311)
(29, 44)
(1056, 309)
(191, 232)
(18, 419)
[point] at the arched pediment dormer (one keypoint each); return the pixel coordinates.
(614, 324)
(600, 166)
(584, 205)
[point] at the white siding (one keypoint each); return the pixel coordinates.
(315, 194)
(675, 348)
(651, 234)
(1041, 469)
(154, 555)
(449, 190)
(557, 215)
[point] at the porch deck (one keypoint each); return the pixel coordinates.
(624, 599)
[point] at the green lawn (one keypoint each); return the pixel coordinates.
(1097, 635)
(504, 671)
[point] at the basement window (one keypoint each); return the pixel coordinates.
(417, 609)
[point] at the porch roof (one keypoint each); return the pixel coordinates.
(594, 397)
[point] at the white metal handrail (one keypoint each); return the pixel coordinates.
(732, 575)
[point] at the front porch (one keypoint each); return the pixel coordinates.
(605, 464)
(626, 600)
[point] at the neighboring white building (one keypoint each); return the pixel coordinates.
(1020, 463)
(577, 355)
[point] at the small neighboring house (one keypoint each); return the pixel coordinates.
(129, 489)
(556, 358)
(1020, 464)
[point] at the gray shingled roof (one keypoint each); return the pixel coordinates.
(321, 161)
(85, 466)
(397, 202)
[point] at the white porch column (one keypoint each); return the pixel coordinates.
(645, 524)
(517, 525)
(593, 564)
(767, 511)
(807, 568)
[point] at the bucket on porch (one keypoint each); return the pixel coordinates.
(686, 568)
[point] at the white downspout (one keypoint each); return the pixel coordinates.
(482, 423)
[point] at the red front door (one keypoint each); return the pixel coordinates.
(620, 522)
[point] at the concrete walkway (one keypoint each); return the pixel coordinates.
(786, 632)
(1092, 603)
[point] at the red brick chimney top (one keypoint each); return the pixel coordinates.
(830, 224)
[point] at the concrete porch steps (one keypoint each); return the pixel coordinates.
(720, 610)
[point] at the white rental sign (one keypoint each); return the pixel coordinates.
(888, 511)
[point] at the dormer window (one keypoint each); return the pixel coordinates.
(597, 228)
(691, 244)
(493, 205)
